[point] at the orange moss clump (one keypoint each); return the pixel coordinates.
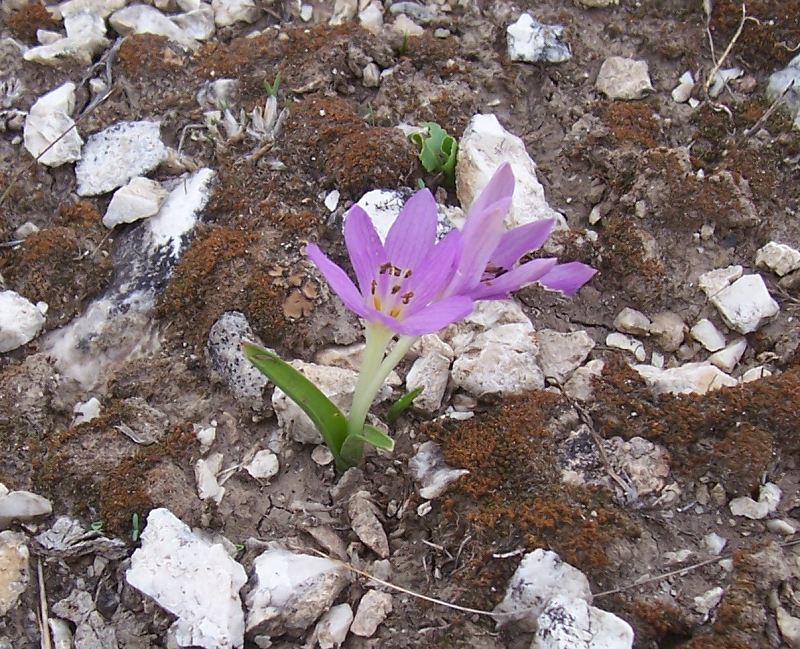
(145, 56)
(632, 122)
(766, 42)
(513, 494)
(729, 434)
(23, 23)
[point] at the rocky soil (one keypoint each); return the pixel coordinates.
(615, 469)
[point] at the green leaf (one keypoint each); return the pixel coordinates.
(402, 404)
(328, 419)
(437, 150)
(353, 447)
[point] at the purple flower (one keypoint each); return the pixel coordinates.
(413, 285)
(489, 268)
(401, 283)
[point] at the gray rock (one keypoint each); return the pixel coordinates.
(198, 23)
(789, 627)
(560, 354)
(244, 381)
(291, 591)
(540, 576)
(113, 156)
(372, 610)
(365, 523)
(692, 378)
(176, 567)
(786, 83)
(230, 12)
(708, 335)
(13, 569)
(621, 78)
(431, 372)
(567, 623)
(746, 304)
(779, 258)
(331, 630)
(631, 321)
(533, 42)
(668, 330)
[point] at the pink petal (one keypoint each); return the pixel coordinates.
(364, 247)
(520, 241)
(501, 287)
(436, 316)
(413, 233)
(568, 278)
(499, 188)
(339, 281)
(433, 275)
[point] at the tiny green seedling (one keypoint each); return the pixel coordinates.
(437, 150)
(96, 526)
(136, 530)
(402, 404)
(272, 88)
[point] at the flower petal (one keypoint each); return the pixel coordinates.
(499, 188)
(339, 281)
(434, 273)
(436, 316)
(364, 246)
(568, 278)
(519, 241)
(413, 233)
(501, 287)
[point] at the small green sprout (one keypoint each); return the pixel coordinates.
(437, 150)
(272, 88)
(402, 404)
(96, 526)
(136, 530)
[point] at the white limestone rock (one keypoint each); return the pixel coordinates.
(628, 344)
(683, 91)
(580, 384)
(139, 199)
(560, 354)
(789, 626)
(779, 258)
(331, 630)
(431, 372)
(727, 358)
(176, 568)
(533, 42)
(336, 383)
(365, 523)
(769, 497)
(86, 37)
(205, 474)
(667, 330)
(570, 623)
(263, 466)
(404, 26)
(343, 10)
(198, 23)
(499, 362)
(230, 12)
(486, 145)
(691, 378)
(291, 591)
(373, 608)
(144, 19)
(48, 119)
(115, 155)
(244, 381)
(746, 304)
(371, 17)
(755, 373)
(14, 575)
(430, 470)
(784, 85)
(647, 465)
(621, 78)
(708, 335)
(20, 320)
(631, 321)
(540, 577)
(715, 280)
(102, 8)
(707, 602)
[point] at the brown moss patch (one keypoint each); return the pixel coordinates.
(148, 56)
(513, 495)
(729, 434)
(24, 22)
(632, 122)
(64, 265)
(766, 44)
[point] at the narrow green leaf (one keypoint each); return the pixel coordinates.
(402, 404)
(353, 447)
(328, 419)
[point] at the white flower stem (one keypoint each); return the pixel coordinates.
(374, 370)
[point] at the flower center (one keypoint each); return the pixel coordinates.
(387, 289)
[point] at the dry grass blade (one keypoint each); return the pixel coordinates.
(44, 617)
